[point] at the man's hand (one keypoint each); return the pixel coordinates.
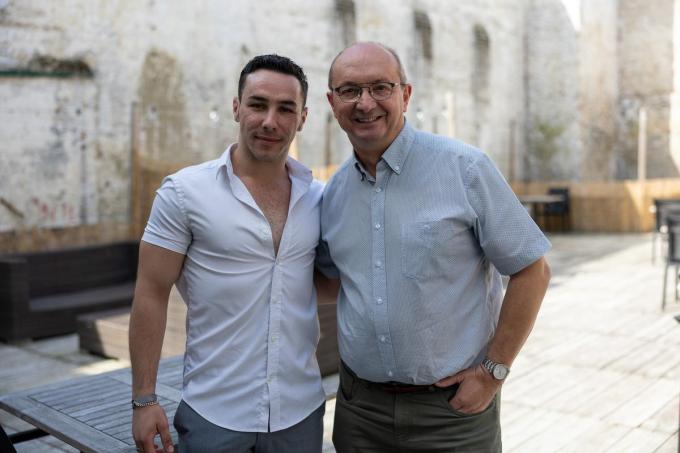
(146, 423)
(475, 392)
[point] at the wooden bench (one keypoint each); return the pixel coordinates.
(41, 293)
(106, 333)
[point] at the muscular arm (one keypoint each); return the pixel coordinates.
(158, 270)
(520, 307)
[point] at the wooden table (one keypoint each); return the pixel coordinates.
(532, 202)
(93, 413)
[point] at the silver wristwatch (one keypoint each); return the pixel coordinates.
(496, 370)
(144, 401)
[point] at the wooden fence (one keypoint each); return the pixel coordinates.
(611, 206)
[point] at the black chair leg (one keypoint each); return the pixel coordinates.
(5, 443)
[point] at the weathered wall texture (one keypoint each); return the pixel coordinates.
(645, 80)
(552, 73)
(166, 73)
(83, 81)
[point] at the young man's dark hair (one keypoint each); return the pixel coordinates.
(275, 63)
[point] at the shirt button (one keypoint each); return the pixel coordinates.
(377, 226)
(382, 338)
(379, 300)
(378, 264)
(390, 374)
(378, 189)
(274, 339)
(396, 167)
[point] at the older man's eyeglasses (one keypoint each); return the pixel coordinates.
(378, 91)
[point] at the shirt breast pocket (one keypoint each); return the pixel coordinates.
(417, 243)
(428, 248)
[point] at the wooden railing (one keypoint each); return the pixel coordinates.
(611, 206)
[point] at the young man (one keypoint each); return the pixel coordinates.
(417, 227)
(238, 236)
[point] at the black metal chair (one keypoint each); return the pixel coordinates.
(559, 209)
(673, 253)
(6, 445)
(7, 442)
(663, 207)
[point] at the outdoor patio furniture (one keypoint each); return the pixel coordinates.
(673, 254)
(558, 209)
(93, 413)
(662, 208)
(41, 293)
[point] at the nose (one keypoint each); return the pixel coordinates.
(365, 101)
(269, 121)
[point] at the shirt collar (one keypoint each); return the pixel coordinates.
(295, 169)
(395, 155)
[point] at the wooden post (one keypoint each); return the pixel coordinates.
(642, 145)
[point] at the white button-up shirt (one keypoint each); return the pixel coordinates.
(252, 326)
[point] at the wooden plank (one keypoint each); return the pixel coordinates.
(73, 432)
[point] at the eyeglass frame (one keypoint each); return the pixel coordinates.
(369, 87)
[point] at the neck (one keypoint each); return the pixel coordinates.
(245, 166)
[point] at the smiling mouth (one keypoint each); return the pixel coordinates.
(267, 139)
(368, 119)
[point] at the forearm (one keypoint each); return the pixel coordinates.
(521, 303)
(147, 329)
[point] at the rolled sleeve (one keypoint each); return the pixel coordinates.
(168, 225)
(510, 238)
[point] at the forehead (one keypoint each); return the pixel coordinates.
(272, 85)
(364, 64)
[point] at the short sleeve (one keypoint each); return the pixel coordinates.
(168, 225)
(510, 238)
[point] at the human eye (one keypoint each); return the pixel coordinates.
(348, 91)
(381, 88)
(256, 105)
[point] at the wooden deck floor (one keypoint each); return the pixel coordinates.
(600, 372)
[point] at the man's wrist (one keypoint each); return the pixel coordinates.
(498, 371)
(144, 400)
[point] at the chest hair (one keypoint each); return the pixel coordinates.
(273, 201)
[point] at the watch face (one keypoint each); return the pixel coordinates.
(500, 372)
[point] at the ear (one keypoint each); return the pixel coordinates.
(303, 118)
(235, 107)
(329, 96)
(407, 95)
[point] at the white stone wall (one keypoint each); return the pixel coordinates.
(179, 61)
(553, 129)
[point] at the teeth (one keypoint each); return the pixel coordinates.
(367, 120)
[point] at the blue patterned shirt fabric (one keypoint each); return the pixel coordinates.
(419, 251)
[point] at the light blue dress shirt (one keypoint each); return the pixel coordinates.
(252, 327)
(418, 250)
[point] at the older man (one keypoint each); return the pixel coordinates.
(418, 228)
(238, 236)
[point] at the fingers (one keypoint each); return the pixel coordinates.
(451, 380)
(166, 438)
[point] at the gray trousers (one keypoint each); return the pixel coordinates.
(369, 419)
(198, 435)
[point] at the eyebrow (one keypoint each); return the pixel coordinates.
(384, 79)
(266, 100)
